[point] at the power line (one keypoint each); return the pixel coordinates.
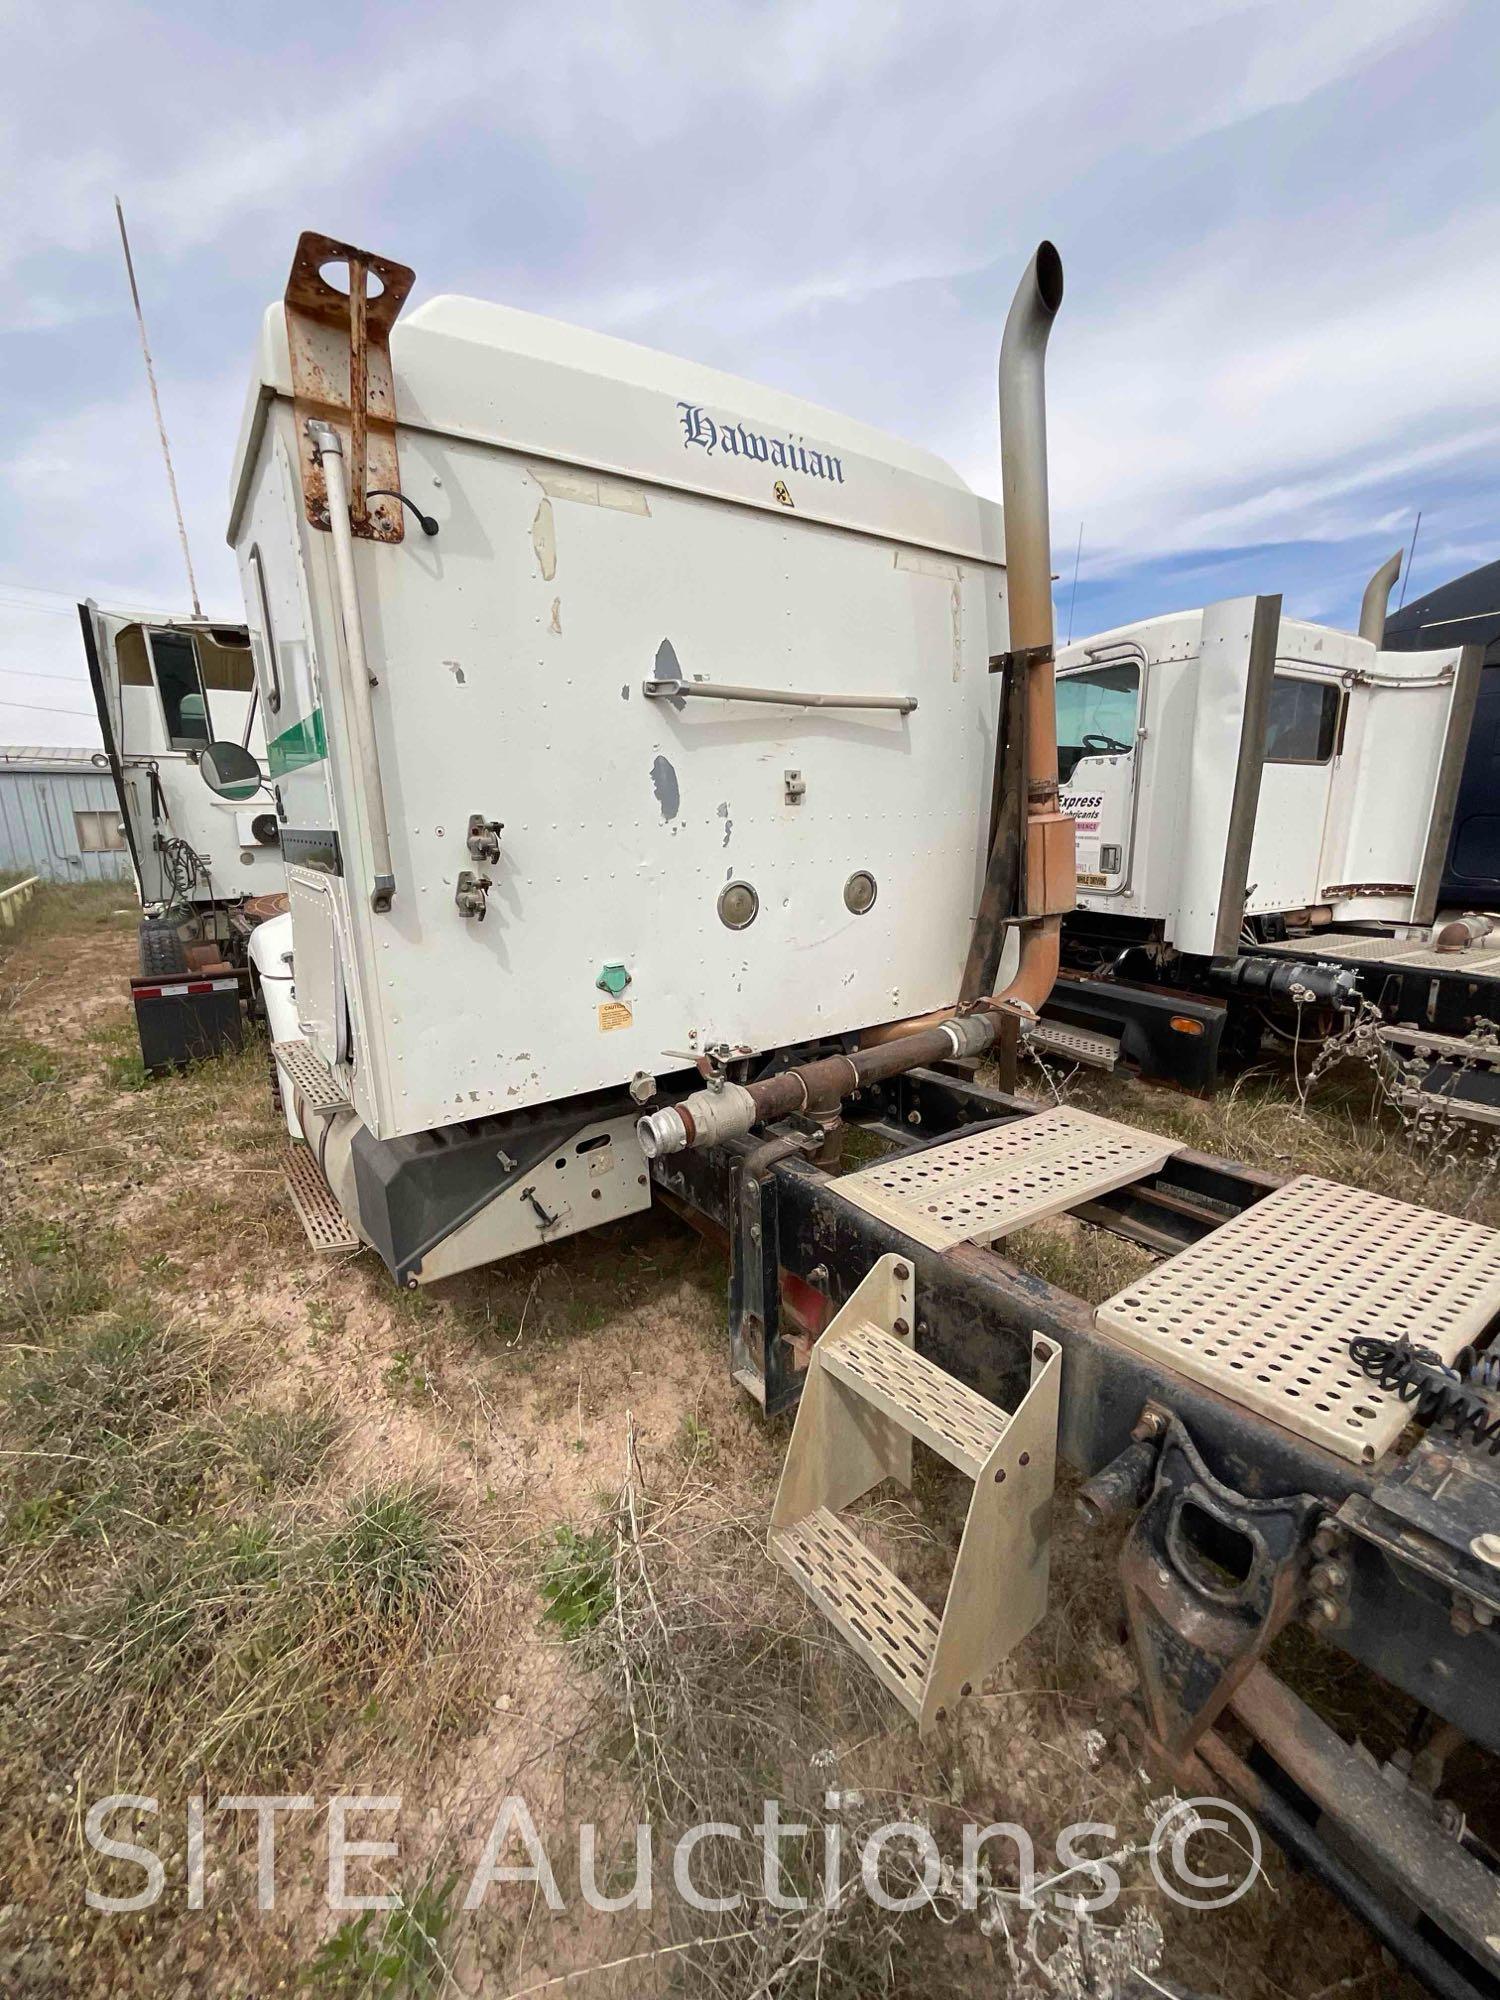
(43, 707)
(29, 605)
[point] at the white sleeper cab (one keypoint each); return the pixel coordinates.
(623, 718)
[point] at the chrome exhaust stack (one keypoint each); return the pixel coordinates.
(1377, 599)
(1023, 450)
(1031, 871)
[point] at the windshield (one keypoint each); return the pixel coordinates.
(1096, 713)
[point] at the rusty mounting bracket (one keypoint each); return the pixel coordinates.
(1019, 659)
(339, 344)
(1209, 1577)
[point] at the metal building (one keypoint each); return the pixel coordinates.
(59, 817)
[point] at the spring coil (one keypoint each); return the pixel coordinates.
(1441, 1397)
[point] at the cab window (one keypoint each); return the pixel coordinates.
(1096, 712)
(1303, 725)
(184, 705)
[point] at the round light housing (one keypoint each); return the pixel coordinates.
(738, 905)
(860, 892)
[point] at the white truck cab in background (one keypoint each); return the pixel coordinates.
(1239, 779)
(164, 689)
(207, 867)
(1335, 762)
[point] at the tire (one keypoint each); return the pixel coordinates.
(162, 952)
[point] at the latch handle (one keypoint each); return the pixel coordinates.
(780, 697)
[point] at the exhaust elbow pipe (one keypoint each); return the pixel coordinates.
(1030, 868)
(1376, 600)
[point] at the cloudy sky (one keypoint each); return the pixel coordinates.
(1280, 221)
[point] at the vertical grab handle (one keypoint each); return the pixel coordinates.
(326, 443)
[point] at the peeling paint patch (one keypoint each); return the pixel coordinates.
(919, 563)
(590, 492)
(664, 784)
(544, 540)
(556, 625)
(625, 692)
(723, 811)
(456, 670)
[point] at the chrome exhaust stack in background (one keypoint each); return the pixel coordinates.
(1376, 600)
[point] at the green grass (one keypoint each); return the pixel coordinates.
(389, 1954)
(396, 1555)
(50, 1276)
(285, 1448)
(232, 1635)
(578, 1587)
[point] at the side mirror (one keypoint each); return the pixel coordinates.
(229, 770)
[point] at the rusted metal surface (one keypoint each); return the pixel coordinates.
(1121, 1487)
(1343, 892)
(1209, 1577)
(1374, 1904)
(339, 342)
(260, 909)
(1400, 1829)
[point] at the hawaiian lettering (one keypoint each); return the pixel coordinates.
(737, 440)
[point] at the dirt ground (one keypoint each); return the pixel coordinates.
(276, 1530)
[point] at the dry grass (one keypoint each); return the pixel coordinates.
(271, 1526)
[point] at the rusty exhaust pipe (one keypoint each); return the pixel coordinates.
(1030, 868)
(1031, 877)
(1376, 600)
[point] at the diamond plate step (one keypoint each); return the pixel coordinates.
(1262, 1310)
(925, 1399)
(866, 1396)
(1080, 1045)
(317, 1211)
(887, 1625)
(985, 1184)
(310, 1076)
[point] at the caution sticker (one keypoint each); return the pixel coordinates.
(615, 1014)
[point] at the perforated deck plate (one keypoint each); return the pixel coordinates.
(1080, 1045)
(1263, 1309)
(985, 1184)
(317, 1211)
(885, 1623)
(310, 1076)
(932, 1404)
(1410, 954)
